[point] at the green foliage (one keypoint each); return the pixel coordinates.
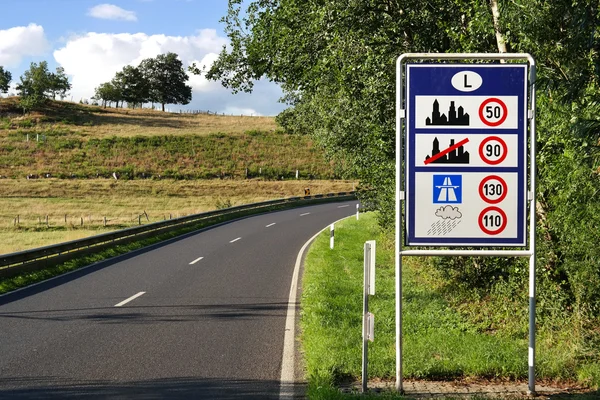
(158, 80)
(108, 92)
(37, 83)
(59, 83)
(132, 85)
(5, 78)
(336, 63)
(166, 78)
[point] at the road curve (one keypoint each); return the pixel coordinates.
(201, 317)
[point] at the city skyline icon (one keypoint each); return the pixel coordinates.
(454, 116)
(454, 154)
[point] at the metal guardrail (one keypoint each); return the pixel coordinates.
(43, 257)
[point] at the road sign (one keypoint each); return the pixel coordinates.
(466, 154)
(493, 150)
(493, 189)
(447, 189)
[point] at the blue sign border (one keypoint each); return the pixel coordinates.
(498, 80)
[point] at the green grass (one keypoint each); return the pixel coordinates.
(77, 141)
(439, 341)
(269, 155)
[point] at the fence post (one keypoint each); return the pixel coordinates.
(140, 219)
(47, 224)
(81, 221)
(105, 221)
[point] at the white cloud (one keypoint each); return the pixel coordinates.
(110, 11)
(94, 58)
(22, 41)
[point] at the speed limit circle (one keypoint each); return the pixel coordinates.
(493, 189)
(493, 112)
(493, 150)
(492, 220)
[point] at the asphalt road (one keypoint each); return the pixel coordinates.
(208, 321)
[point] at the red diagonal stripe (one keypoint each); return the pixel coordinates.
(448, 150)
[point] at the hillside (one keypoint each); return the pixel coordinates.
(67, 140)
(60, 184)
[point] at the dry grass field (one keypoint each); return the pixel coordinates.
(98, 122)
(121, 202)
(168, 165)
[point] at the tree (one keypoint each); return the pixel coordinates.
(167, 78)
(5, 78)
(35, 82)
(108, 93)
(133, 87)
(59, 83)
(335, 61)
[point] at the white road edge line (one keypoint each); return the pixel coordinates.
(135, 296)
(270, 225)
(196, 260)
(347, 205)
(287, 380)
(235, 240)
(302, 215)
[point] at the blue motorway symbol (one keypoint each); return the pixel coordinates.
(447, 189)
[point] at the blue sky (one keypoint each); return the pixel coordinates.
(94, 39)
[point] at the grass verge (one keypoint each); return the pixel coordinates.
(440, 342)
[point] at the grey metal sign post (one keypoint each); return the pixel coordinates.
(463, 174)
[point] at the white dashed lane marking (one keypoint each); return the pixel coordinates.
(135, 296)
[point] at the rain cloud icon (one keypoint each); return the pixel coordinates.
(448, 212)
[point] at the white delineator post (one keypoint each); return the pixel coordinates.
(368, 318)
(357, 212)
(331, 234)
